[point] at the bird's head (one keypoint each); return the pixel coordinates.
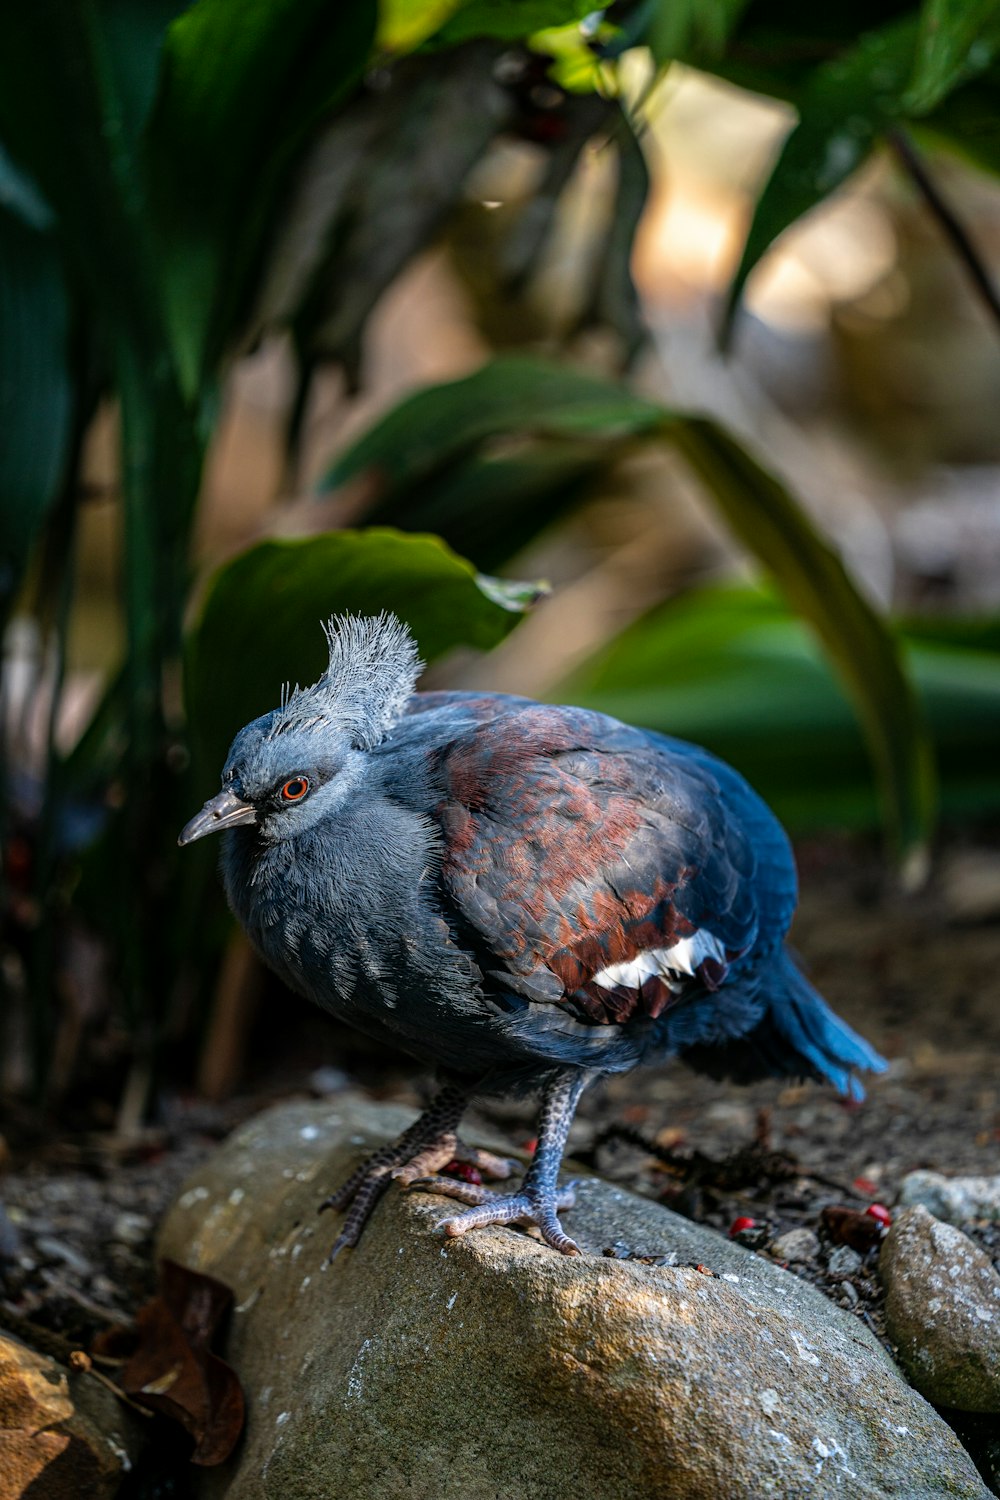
(304, 759)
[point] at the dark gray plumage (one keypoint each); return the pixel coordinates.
(519, 895)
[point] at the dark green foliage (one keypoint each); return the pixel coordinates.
(733, 669)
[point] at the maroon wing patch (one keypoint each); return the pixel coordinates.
(569, 858)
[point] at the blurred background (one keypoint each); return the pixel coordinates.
(647, 358)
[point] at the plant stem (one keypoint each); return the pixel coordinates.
(950, 224)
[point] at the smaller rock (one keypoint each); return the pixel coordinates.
(956, 1200)
(848, 1294)
(843, 1261)
(131, 1229)
(62, 1435)
(942, 1311)
(796, 1245)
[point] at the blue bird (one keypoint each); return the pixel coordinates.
(523, 896)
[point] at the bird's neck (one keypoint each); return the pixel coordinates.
(355, 875)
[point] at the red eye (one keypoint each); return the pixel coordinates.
(294, 790)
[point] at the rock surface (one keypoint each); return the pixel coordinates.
(942, 1311)
(62, 1436)
(956, 1200)
(489, 1365)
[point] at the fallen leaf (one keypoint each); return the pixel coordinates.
(848, 1226)
(170, 1368)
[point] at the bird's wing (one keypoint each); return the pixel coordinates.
(602, 868)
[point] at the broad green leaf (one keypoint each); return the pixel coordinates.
(436, 426)
(36, 391)
(20, 197)
(693, 31)
(766, 518)
(404, 24)
(968, 121)
(843, 109)
(957, 39)
(509, 20)
(489, 506)
(260, 624)
(732, 669)
(242, 81)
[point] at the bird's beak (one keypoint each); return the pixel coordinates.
(224, 811)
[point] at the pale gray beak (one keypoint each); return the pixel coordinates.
(224, 811)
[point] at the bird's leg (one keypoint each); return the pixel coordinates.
(427, 1146)
(539, 1200)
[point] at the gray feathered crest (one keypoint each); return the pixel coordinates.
(373, 669)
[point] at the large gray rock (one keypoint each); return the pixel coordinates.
(429, 1369)
(942, 1311)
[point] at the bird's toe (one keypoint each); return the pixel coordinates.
(430, 1161)
(525, 1209)
(453, 1187)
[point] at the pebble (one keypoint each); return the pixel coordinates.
(848, 1294)
(796, 1245)
(942, 1311)
(53, 1249)
(843, 1261)
(956, 1200)
(131, 1229)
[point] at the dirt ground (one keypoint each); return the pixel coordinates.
(918, 975)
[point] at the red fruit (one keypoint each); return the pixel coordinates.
(865, 1187)
(531, 1146)
(738, 1225)
(880, 1214)
(464, 1171)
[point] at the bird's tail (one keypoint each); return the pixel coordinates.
(797, 1036)
(803, 1023)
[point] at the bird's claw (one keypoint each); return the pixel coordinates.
(426, 1164)
(529, 1209)
(400, 1162)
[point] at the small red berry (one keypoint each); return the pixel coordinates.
(531, 1146)
(880, 1214)
(464, 1171)
(738, 1225)
(865, 1187)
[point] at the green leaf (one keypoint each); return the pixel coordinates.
(509, 20)
(968, 122)
(693, 31)
(489, 506)
(957, 40)
(260, 623)
(433, 428)
(242, 82)
(36, 391)
(766, 518)
(404, 24)
(844, 107)
(20, 196)
(732, 669)
(76, 83)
